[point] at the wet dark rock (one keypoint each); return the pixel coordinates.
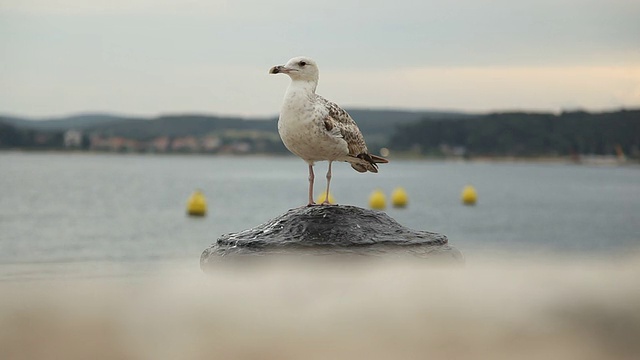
(325, 230)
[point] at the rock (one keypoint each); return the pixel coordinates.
(326, 230)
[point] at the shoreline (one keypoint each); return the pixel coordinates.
(600, 160)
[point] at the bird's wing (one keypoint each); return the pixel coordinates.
(340, 124)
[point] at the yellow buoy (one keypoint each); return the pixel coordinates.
(321, 197)
(197, 204)
(377, 200)
(469, 195)
(399, 197)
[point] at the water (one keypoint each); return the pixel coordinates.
(131, 208)
(98, 260)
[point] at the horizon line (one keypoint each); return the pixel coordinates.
(118, 114)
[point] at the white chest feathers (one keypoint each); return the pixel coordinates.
(302, 130)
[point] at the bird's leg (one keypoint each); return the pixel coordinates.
(326, 197)
(311, 178)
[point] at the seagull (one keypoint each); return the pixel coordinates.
(316, 129)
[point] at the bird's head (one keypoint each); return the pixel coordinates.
(298, 68)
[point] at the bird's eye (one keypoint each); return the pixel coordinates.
(302, 63)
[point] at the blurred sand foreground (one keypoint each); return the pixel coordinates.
(486, 309)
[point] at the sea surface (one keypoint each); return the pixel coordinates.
(118, 209)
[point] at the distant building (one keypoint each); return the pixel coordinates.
(72, 139)
(185, 144)
(43, 139)
(455, 150)
(210, 143)
(160, 144)
(241, 147)
(120, 144)
(97, 142)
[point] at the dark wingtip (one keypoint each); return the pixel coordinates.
(372, 161)
(378, 159)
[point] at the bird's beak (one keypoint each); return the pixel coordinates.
(280, 69)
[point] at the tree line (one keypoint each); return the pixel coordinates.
(524, 134)
(497, 134)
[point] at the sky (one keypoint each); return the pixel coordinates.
(151, 57)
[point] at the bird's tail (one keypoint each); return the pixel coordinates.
(367, 162)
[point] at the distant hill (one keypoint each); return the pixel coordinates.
(79, 122)
(377, 125)
(178, 125)
(429, 133)
(525, 134)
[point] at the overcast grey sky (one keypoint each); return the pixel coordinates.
(146, 57)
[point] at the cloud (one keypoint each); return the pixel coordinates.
(248, 91)
(88, 7)
(151, 56)
(490, 88)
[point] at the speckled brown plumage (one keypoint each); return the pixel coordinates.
(338, 118)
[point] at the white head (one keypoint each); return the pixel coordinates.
(299, 68)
